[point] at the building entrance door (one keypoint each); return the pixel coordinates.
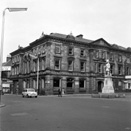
(100, 86)
(70, 84)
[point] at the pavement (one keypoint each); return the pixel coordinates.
(127, 95)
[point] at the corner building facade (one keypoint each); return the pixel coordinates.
(74, 64)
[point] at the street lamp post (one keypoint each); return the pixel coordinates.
(37, 74)
(2, 42)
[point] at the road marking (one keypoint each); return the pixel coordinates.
(105, 106)
(128, 128)
(19, 114)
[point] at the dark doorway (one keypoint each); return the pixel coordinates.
(70, 84)
(100, 86)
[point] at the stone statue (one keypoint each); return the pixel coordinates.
(107, 67)
(108, 83)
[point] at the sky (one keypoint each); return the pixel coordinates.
(108, 19)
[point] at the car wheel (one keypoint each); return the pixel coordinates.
(23, 96)
(35, 96)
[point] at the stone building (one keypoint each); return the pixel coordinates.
(74, 64)
(6, 82)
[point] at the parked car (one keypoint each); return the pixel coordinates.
(29, 92)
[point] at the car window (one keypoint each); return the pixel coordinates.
(31, 90)
(24, 90)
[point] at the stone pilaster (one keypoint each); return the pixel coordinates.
(87, 85)
(20, 86)
(63, 83)
(76, 86)
(48, 85)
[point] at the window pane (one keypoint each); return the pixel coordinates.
(81, 83)
(57, 49)
(70, 65)
(82, 52)
(57, 64)
(56, 83)
(70, 82)
(70, 51)
(82, 66)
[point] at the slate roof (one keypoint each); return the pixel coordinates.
(75, 38)
(8, 63)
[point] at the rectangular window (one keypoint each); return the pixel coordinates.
(100, 54)
(112, 69)
(96, 67)
(43, 83)
(127, 71)
(70, 51)
(57, 64)
(70, 65)
(17, 70)
(97, 54)
(120, 70)
(82, 53)
(43, 63)
(119, 58)
(34, 66)
(81, 83)
(100, 68)
(82, 66)
(57, 49)
(56, 82)
(70, 82)
(111, 57)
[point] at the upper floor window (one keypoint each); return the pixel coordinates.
(43, 63)
(119, 58)
(70, 51)
(57, 64)
(81, 83)
(112, 69)
(119, 69)
(100, 68)
(82, 52)
(103, 55)
(127, 71)
(70, 65)
(97, 54)
(111, 57)
(57, 49)
(34, 65)
(82, 66)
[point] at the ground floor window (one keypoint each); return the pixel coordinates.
(42, 83)
(56, 82)
(24, 84)
(34, 83)
(82, 83)
(129, 85)
(70, 82)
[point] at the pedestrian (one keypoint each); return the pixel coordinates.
(59, 92)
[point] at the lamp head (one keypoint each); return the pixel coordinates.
(16, 9)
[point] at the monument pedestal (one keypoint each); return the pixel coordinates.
(108, 90)
(108, 85)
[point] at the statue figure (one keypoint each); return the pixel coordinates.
(107, 67)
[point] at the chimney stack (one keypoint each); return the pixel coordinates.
(79, 36)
